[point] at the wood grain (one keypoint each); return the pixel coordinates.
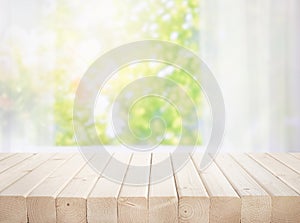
(297, 155)
(288, 160)
(10, 161)
(71, 202)
(102, 202)
(65, 188)
(16, 193)
(225, 203)
(163, 201)
(41, 205)
(285, 201)
(256, 203)
(193, 199)
(284, 173)
(17, 205)
(133, 199)
(6, 155)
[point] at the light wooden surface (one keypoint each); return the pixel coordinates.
(5, 155)
(297, 155)
(71, 201)
(41, 202)
(13, 208)
(193, 198)
(16, 192)
(102, 202)
(9, 161)
(285, 201)
(225, 203)
(133, 200)
(256, 202)
(64, 188)
(288, 160)
(284, 173)
(163, 202)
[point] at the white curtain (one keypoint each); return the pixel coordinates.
(19, 128)
(252, 47)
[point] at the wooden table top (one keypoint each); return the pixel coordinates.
(63, 187)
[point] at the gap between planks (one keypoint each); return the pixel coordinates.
(76, 192)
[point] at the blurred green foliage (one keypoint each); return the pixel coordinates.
(43, 66)
(171, 20)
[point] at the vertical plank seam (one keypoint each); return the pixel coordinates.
(149, 184)
(67, 183)
(26, 173)
(122, 184)
(15, 164)
(294, 155)
(43, 180)
(268, 192)
(8, 156)
(282, 162)
(99, 175)
(176, 186)
(272, 173)
(201, 178)
(49, 174)
(93, 186)
(229, 181)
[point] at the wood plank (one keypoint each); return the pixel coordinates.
(11, 161)
(41, 204)
(163, 201)
(55, 189)
(103, 200)
(193, 198)
(256, 203)
(287, 175)
(71, 203)
(8, 178)
(225, 203)
(285, 201)
(287, 159)
(133, 200)
(6, 155)
(14, 195)
(297, 155)
(21, 169)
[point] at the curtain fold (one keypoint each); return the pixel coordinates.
(253, 50)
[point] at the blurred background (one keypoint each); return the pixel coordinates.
(252, 48)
